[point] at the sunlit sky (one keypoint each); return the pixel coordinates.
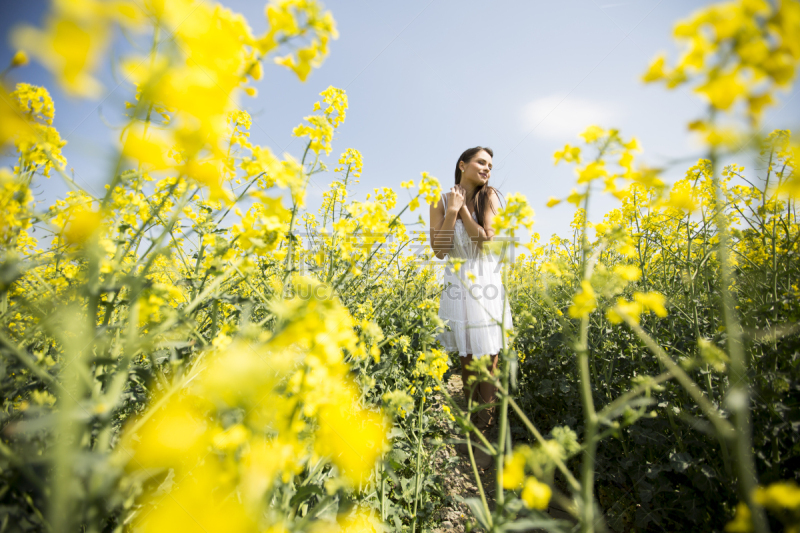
(427, 79)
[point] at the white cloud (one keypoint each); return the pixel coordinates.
(564, 117)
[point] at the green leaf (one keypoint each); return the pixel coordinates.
(303, 493)
(476, 506)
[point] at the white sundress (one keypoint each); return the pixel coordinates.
(473, 310)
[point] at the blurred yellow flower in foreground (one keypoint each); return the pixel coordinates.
(68, 48)
(514, 469)
(778, 496)
(20, 59)
(552, 202)
(652, 301)
(583, 302)
(201, 502)
(628, 272)
(352, 437)
(517, 212)
(742, 521)
(535, 494)
(83, 223)
(176, 434)
(616, 314)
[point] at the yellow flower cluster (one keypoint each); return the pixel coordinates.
(320, 128)
(295, 18)
(351, 160)
(584, 301)
(15, 208)
(398, 402)
(609, 144)
(430, 188)
(433, 363)
(782, 498)
(517, 212)
(263, 227)
(192, 80)
(37, 141)
(535, 494)
(642, 302)
(738, 51)
(75, 39)
(297, 404)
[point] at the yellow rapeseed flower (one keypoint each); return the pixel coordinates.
(653, 301)
(723, 89)
(256, 71)
(517, 212)
(591, 172)
(628, 272)
(535, 494)
(150, 149)
(83, 223)
(231, 438)
(552, 202)
(202, 502)
(655, 71)
(175, 435)
(742, 521)
(68, 48)
(592, 133)
(584, 302)
(570, 154)
(514, 469)
(429, 188)
(353, 438)
(779, 496)
(575, 198)
(20, 59)
(633, 310)
(681, 198)
(446, 409)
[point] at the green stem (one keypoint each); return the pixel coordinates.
(502, 430)
(474, 466)
(590, 431)
(417, 484)
(739, 394)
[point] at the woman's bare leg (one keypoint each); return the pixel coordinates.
(482, 459)
(483, 392)
(465, 374)
(487, 390)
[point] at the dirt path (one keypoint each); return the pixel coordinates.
(459, 479)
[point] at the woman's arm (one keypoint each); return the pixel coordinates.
(443, 223)
(479, 234)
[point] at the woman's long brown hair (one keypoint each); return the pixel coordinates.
(481, 195)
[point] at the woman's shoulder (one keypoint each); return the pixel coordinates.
(493, 198)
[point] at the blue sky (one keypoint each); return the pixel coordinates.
(427, 79)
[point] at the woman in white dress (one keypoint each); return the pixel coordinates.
(473, 305)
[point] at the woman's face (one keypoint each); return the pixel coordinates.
(478, 170)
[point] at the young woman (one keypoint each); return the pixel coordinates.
(473, 303)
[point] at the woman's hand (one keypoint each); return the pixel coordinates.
(455, 198)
